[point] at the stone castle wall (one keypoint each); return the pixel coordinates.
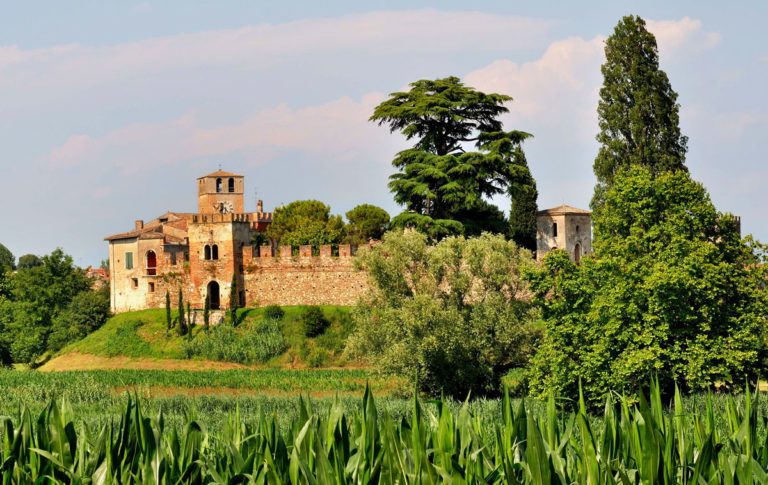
(300, 278)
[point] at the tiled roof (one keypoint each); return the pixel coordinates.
(220, 173)
(563, 209)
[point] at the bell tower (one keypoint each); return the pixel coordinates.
(220, 192)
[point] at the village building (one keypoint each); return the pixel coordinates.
(202, 253)
(564, 227)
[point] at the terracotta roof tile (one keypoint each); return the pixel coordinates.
(220, 173)
(563, 209)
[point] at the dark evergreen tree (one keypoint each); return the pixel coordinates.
(168, 318)
(443, 184)
(233, 301)
(638, 111)
(207, 313)
(182, 329)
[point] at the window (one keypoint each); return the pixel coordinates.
(554, 229)
(577, 229)
(577, 253)
(214, 252)
(186, 256)
(128, 260)
(173, 258)
(151, 263)
(218, 185)
(151, 287)
(135, 282)
(207, 252)
(231, 185)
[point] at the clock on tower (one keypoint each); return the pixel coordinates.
(220, 192)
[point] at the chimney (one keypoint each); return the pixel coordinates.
(259, 206)
(139, 224)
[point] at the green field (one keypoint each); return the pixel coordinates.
(144, 334)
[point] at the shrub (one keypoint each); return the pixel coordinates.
(247, 346)
(314, 321)
(275, 312)
(87, 312)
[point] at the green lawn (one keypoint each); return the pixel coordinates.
(144, 334)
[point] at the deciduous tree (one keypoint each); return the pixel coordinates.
(452, 314)
(366, 222)
(305, 222)
(638, 111)
(671, 289)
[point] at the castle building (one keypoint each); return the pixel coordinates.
(200, 253)
(564, 227)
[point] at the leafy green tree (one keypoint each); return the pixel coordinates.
(7, 259)
(314, 321)
(35, 296)
(87, 312)
(29, 261)
(454, 314)
(638, 111)
(305, 222)
(233, 300)
(671, 289)
(366, 222)
(438, 178)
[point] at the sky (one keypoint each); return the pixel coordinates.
(109, 111)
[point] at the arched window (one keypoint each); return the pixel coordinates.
(214, 252)
(151, 263)
(207, 252)
(231, 185)
(554, 229)
(213, 295)
(218, 185)
(577, 253)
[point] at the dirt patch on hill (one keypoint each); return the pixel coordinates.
(78, 361)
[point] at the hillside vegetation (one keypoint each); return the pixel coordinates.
(144, 335)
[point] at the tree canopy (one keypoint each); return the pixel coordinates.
(438, 180)
(638, 111)
(29, 261)
(671, 290)
(7, 259)
(35, 296)
(452, 314)
(305, 222)
(366, 222)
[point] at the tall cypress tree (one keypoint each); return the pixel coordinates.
(168, 318)
(233, 297)
(638, 111)
(182, 323)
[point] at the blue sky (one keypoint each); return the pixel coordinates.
(110, 110)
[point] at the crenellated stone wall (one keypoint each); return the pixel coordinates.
(301, 278)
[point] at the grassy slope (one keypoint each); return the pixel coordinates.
(143, 334)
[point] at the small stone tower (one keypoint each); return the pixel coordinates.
(564, 227)
(220, 192)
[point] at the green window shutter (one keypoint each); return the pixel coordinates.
(128, 260)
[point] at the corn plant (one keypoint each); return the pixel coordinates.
(632, 442)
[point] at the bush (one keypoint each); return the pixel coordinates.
(455, 314)
(275, 312)
(314, 321)
(87, 311)
(243, 346)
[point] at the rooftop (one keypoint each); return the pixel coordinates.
(219, 173)
(563, 209)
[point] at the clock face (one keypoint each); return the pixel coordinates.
(224, 207)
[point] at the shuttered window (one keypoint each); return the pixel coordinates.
(128, 260)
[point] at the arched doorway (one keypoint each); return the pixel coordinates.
(213, 295)
(151, 263)
(577, 253)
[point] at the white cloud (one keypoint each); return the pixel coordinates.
(686, 34)
(263, 45)
(338, 130)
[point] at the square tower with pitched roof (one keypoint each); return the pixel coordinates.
(564, 227)
(220, 192)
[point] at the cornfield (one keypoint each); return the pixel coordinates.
(634, 443)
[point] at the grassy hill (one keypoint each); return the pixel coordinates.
(143, 335)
